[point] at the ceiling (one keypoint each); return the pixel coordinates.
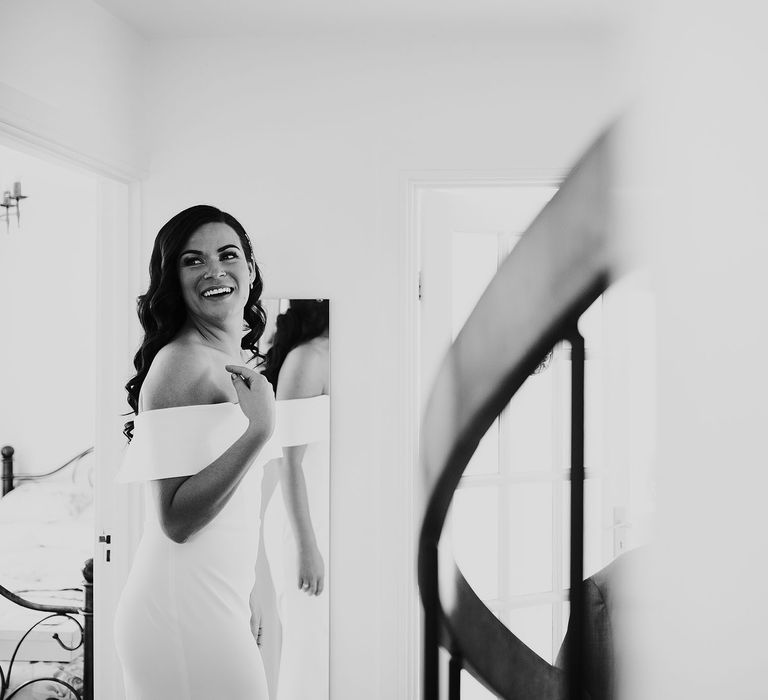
(158, 19)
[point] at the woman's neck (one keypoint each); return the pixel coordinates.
(226, 339)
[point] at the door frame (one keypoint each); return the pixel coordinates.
(407, 487)
(30, 126)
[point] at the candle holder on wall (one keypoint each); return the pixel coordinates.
(10, 201)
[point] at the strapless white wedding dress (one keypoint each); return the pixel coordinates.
(304, 659)
(182, 626)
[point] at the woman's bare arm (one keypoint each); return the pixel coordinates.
(188, 503)
(303, 374)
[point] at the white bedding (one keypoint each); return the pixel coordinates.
(46, 534)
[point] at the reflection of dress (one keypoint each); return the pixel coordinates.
(182, 626)
(305, 651)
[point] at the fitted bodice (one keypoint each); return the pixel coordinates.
(182, 627)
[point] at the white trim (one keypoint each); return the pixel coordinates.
(117, 511)
(408, 680)
(412, 185)
(32, 126)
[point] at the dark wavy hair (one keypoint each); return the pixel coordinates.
(303, 320)
(162, 311)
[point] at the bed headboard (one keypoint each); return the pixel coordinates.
(8, 476)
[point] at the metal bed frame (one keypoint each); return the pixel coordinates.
(81, 616)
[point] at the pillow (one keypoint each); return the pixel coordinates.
(44, 502)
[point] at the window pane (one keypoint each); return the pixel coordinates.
(528, 531)
(486, 457)
(474, 259)
(475, 536)
(565, 614)
(593, 413)
(529, 425)
(533, 626)
(593, 529)
(473, 690)
(591, 327)
(561, 370)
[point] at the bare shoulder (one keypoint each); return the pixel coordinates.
(313, 351)
(183, 374)
(319, 346)
(305, 371)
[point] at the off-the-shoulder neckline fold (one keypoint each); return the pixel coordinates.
(196, 405)
(225, 403)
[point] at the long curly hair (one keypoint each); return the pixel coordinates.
(303, 320)
(161, 309)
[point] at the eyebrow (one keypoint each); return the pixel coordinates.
(224, 247)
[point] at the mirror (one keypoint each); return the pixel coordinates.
(293, 563)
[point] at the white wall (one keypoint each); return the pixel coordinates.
(306, 141)
(71, 90)
(48, 289)
(703, 148)
(72, 75)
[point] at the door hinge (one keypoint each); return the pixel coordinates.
(420, 285)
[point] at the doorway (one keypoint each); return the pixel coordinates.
(75, 252)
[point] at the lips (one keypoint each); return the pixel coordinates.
(217, 292)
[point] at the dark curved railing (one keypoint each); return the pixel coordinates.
(561, 265)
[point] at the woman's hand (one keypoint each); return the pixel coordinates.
(311, 571)
(257, 399)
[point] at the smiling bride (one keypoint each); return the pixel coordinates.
(198, 442)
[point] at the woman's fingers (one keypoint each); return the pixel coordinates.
(241, 372)
(256, 397)
(240, 386)
(240, 369)
(247, 375)
(312, 585)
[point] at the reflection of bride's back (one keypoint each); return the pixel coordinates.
(295, 507)
(305, 628)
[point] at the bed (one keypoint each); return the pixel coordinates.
(46, 581)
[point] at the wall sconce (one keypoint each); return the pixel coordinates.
(11, 201)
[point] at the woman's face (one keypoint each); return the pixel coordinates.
(214, 273)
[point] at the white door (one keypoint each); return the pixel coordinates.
(509, 520)
(118, 512)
